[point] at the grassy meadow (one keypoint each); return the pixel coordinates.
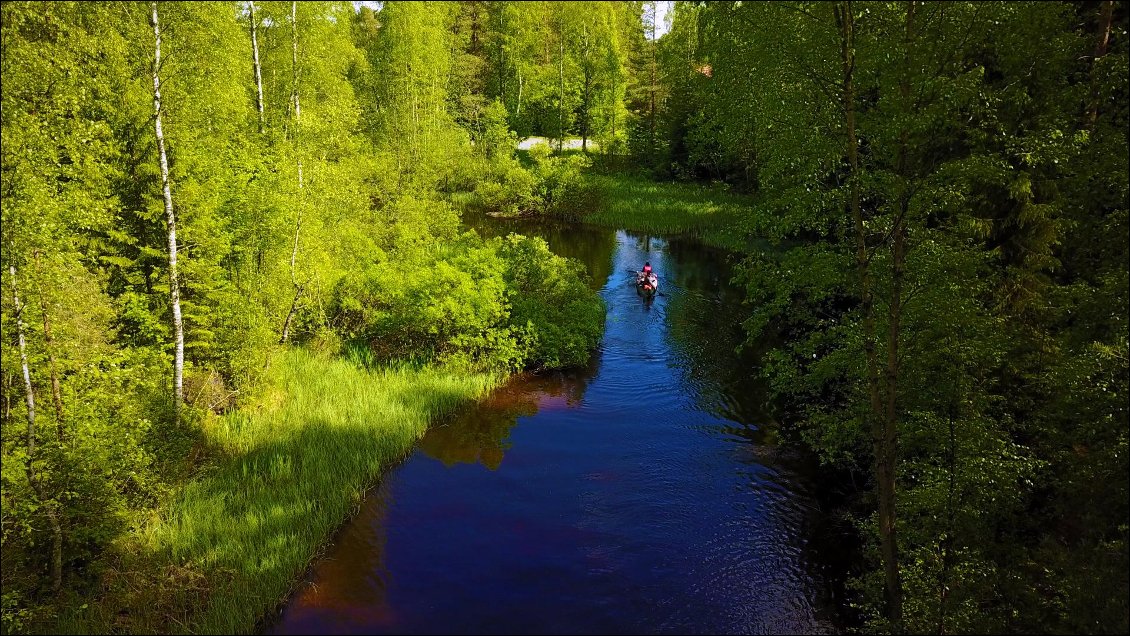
(287, 473)
(707, 212)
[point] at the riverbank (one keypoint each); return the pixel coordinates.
(642, 494)
(288, 471)
(708, 213)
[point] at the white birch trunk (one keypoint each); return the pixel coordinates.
(258, 71)
(171, 220)
(50, 507)
(29, 392)
(298, 158)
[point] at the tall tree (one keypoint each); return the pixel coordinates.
(1102, 41)
(255, 62)
(887, 472)
(296, 123)
(881, 430)
(49, 504)
(170, 221)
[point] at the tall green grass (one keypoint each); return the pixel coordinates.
(709, 213)
(291, 470)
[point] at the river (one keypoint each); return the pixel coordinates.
(645, 493)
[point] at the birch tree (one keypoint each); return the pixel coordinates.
(50, 505)
(258, 71)
(296, 122)
(170, 220)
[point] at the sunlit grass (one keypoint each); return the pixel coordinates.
(293, 469)
(709, 213)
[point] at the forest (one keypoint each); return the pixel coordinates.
(236, 285)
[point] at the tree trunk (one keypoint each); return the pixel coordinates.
(258, 71)
(28, 390)
(49, 344)
(518, 111)
(884, 471)
(290, 314)
(561, 94)
(887, 489)
(588, 89)
(652, 87)
(50, 507)
(171, 220)
(294, 78)
(753, 168)
(1103, 40)
(947, 540)
(295, 128)
(502, 61)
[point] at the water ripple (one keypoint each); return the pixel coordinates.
(637, 496)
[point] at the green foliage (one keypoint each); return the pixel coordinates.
(552, 185)
(510, 192)
(498, 304)
(220, 554)
(99, 473)
(1004, 159)
(497, 140)
(551, 300)
(560, 188)
(394, 118)
(989, 161)
(430, 303)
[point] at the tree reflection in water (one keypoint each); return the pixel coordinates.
(481, 434)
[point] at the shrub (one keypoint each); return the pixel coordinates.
(499, 304)
(510, 192)
(549, 295)
(561, 188)
(553, 185)
(428, 303)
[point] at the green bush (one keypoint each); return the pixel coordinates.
(113, 456)
(510, 192)
(497, 141)
(561, 189)
(549, 295)
(552, 185)
(416, 220)
(500, 304)
(429, 304)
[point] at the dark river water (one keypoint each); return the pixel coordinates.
(643, 494)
